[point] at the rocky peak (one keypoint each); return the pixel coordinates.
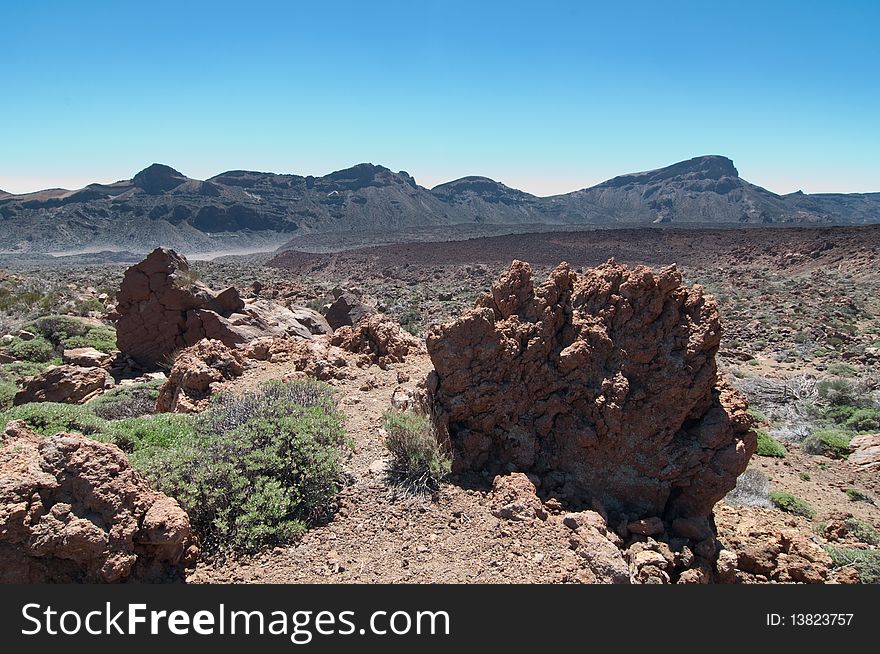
(158, 178)
(482, 187)
(363, 175)
(708, 167)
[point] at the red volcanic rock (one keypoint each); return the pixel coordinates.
(195, 375)
(73, 510)
(378, 337)
(70, 384)
(602, 386)
(162, 309)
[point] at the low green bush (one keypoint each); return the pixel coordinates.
(759, 416)
(127, 401)
(18, 370)
(49, 418)
(66, 332)
(855, 495)
(862, 531)
(792, 504)
(840, 392)
(8, 390)
(160, 431)
(864, 420)
(37, 350)
(418, 459)
(842, 369)
(833, 443)
(258, 468)
(769, 446)
(866, 562)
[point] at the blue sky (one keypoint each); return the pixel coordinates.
(547, 97)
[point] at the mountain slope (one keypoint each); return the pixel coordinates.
(239, 210)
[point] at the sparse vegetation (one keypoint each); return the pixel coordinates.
(855, 495)
(866, 562)
(832, 443)
(792, 504)
(862, 531)
(841, 369)
(418, 459)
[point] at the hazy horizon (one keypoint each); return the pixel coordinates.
(547, 99)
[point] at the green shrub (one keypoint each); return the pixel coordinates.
(833, 443)
(759, 416)
(129, 401)
(792, 504)
(839, 392)
(100, 338)
(769, 446)
(855, 495)
(864, 420)
(866, 562)
(418, 459)
(839, 414)
(862, 531)
(258, 468)
(842, 369)
(8, 390)
(21, 369)
(159, 431)
(66, 332)
(804, 476)
(49, 418)
(37, 350)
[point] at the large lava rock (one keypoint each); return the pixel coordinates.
(73, 510)
(67, 383)
(162, 309)
(603, 386)
(195, 375)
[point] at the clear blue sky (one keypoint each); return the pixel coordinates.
(548, 97)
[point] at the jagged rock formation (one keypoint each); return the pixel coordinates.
(603, 386)
(378, 338)
(66, 383)
(162, 309)
(195, 376)
(314, 358)
(73, 510)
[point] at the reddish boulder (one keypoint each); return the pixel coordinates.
(195, 376)
(604, 386)
(73, 510)
(86, 357)
(379, 338)
(162, 309)
(70, 384)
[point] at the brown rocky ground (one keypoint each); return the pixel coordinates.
(793, 302)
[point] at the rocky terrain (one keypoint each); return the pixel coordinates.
(245, 211)
(659, 363)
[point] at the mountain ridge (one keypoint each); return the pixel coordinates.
(247, 209)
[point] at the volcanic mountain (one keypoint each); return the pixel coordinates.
(244, 210)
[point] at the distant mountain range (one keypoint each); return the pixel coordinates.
(242, 210)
